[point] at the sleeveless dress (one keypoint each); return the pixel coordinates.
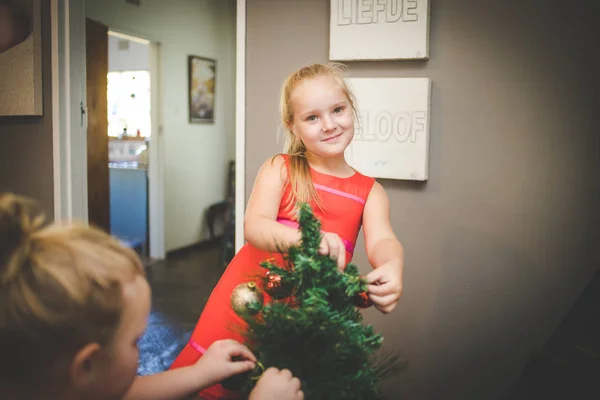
(343, 201)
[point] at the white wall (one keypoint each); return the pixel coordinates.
(135, 56)
(196, 155)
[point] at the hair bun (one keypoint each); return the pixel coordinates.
(19, 218)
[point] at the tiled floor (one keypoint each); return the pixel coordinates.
(180, 287)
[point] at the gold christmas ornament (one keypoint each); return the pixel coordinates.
(246, 298)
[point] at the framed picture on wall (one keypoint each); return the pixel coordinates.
(201, 88)
(379, 30)
(392, 138)
(20, 58)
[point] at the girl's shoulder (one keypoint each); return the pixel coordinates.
(280, 159)
(277, 163)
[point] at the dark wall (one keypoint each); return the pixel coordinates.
(26, 152)
(502, 238)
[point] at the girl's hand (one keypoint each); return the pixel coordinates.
(332, 245)
(277, 384)
(224, 358)
(385, 285)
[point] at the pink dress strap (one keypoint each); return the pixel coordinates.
(197, 347)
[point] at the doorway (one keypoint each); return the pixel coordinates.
(122, 168)
(198, 153)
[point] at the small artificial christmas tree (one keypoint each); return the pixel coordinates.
(312, 325)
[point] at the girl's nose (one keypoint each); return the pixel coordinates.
(328, 124)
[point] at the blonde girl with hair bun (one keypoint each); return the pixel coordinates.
(318, 112)
(73, 304)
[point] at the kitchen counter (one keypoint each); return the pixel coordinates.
(127, 165)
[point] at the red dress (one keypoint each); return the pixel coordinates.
(343, 201)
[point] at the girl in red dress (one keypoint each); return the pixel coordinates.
(318, 112)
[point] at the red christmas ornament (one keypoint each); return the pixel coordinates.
(362, 300)
(275, 287)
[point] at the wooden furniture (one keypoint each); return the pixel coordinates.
(222, 210)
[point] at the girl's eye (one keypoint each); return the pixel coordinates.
(338, 109)
(311, 118)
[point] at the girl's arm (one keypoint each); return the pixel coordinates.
(168, 385)
(384, 251)
(224, 358)
(261, 228)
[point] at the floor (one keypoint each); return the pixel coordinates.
(180, 285)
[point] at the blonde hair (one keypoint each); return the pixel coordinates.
(299, 177)
(60, 289)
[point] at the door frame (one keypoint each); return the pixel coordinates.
(69, 112)
(240, 123)
(69, 122)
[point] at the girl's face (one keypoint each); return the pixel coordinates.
(115, 377)
(322, 116)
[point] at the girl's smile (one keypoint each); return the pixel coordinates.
(333, 139)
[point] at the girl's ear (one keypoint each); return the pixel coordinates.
(86, 365)
(288, 126)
